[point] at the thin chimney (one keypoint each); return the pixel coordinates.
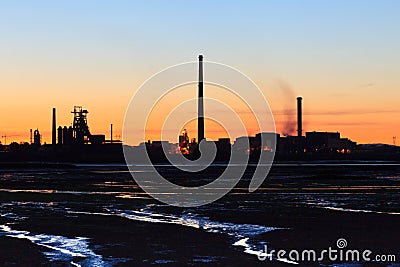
(299, 117)
(54, 129)
(111, 133)
(200, 119)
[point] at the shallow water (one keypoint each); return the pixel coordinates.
(99, 217)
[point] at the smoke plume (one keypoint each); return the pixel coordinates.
(289, 103)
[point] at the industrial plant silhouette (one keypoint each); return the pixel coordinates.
(76, 143)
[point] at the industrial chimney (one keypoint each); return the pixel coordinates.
(111, 133)
(54, 129)
(200, 110)
(299, 117)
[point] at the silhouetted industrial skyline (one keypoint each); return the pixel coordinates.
(78, 135)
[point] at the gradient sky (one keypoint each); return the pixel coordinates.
(343, 57)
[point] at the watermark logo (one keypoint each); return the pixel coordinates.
(148, 98)
(331, 254)
(341, 243)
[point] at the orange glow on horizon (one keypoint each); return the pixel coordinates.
(365, 120)
(379, 132)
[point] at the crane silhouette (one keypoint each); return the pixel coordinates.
(5, 137)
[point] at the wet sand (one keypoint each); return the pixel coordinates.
(312, 206)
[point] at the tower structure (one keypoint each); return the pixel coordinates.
(81, 131)
(53, 128)
(200, 108)
(299, 117)
(37, 138)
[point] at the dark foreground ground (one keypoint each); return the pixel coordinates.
(92, 215)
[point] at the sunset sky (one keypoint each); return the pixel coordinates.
(342, 57)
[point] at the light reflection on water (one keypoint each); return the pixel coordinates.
(60, 248)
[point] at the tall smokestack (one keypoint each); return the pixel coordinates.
(299, 117)
(54, 129)
(200, 110)
(111, 133)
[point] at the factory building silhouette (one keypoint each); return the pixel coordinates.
(75, 143)
(78, 134)
(313, 143)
